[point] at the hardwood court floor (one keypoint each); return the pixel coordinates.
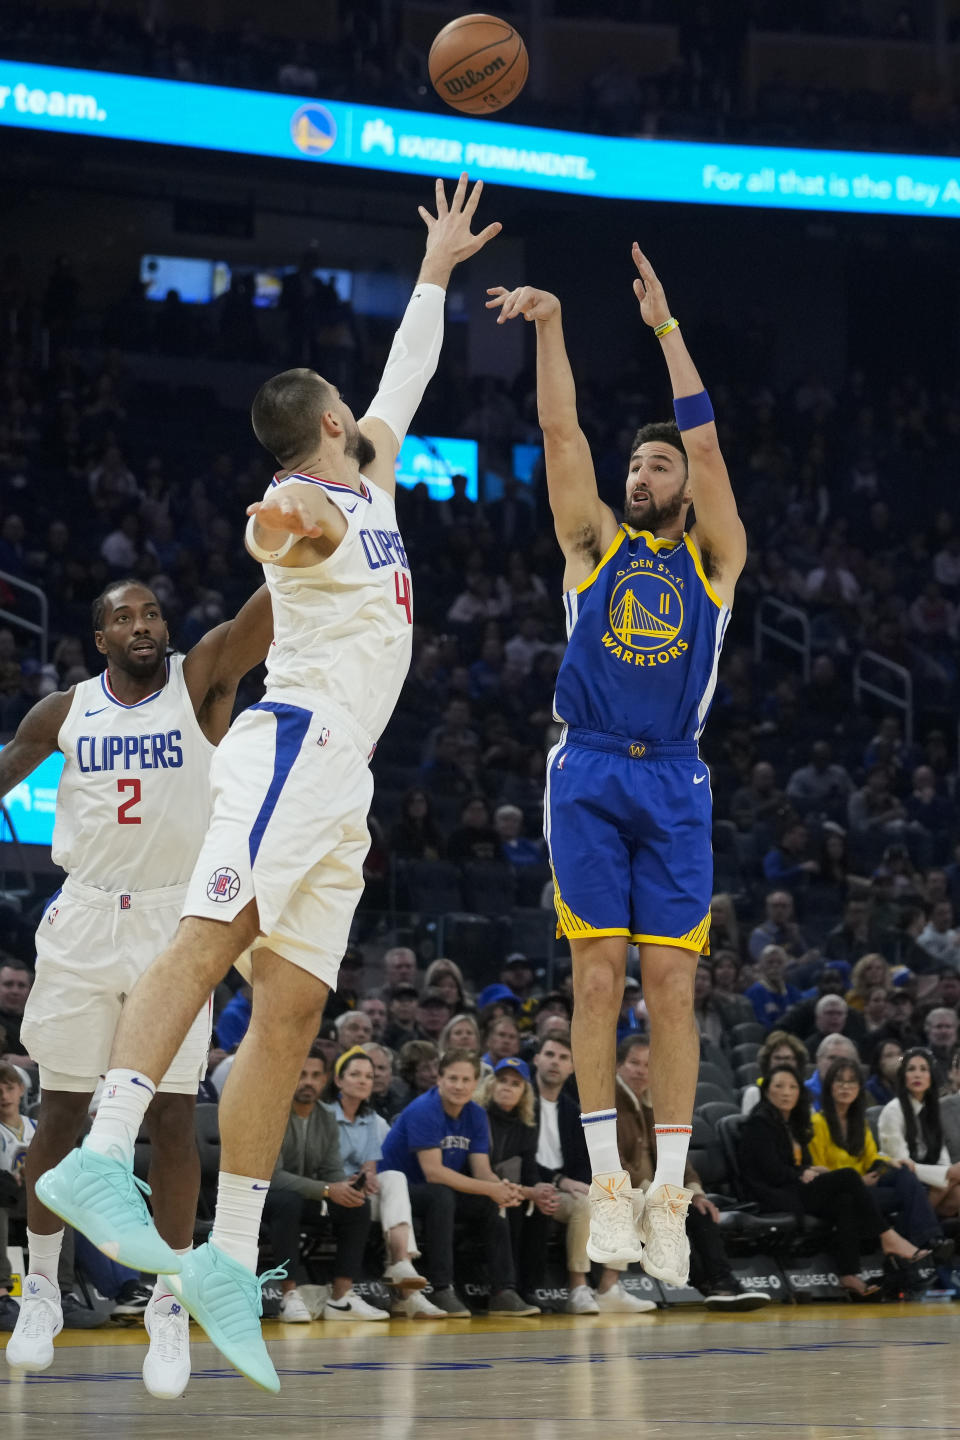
(823, 1371)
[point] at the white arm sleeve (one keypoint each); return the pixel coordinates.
(412, 360)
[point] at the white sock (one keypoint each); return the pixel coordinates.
(236, 1225)
(161, 1290)
(123, 1104)
(600, 1133)
(673, 1142)
(44, 1254)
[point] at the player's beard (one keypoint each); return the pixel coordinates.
(654, 517)
(139, 667)
(360, 447)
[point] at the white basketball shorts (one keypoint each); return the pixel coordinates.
(290, 794)
(92, 948)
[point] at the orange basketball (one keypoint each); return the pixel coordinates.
(478, 64)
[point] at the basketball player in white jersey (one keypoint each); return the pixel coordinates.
(281, 868)
(132, 811)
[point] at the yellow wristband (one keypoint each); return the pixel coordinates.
(666, 327)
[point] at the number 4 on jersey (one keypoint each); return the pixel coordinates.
(404, 593)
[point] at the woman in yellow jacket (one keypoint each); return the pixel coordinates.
(842, 1139)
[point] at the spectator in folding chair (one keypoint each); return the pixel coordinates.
(842, 1137)
(362, 1131)
(308, 1184)
(441, 1142)
(910, 1128)
(778, 1173)
(563, 1167)
(779, 1048)
(710, 1268)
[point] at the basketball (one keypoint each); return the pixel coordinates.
(478, 64)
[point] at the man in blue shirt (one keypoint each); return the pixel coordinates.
(441, 1142)
(770, 996)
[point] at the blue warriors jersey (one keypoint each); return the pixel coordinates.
(644, 632)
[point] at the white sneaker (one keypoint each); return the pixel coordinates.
(582, 1301)
(30, 1347)
(617, 1301)
(614, 1238)
(416, 1306)
(666, 1252)
(166, 1367)
(404, 1276)
(352, 1307)
(293, 1311)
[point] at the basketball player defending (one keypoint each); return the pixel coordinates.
(627, 810)
(281, 868)
(137, 741)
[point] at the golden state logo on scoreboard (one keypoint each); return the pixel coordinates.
(313, 129)
(646, 615)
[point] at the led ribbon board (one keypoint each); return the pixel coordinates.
(248, 122)
(32, 804)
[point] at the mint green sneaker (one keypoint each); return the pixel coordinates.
(100, 1196)
(227, 1300)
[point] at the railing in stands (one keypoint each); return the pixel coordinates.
(41, 629)
(768, 625)
(901, 699)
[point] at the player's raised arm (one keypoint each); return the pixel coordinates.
(416, 346)
(718, 530)
(584, 525)
(36, 738)
(218, 662)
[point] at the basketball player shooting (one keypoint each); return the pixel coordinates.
(628, 807)
(132, 811)
(281, 867)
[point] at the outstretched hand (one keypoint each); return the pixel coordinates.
(449, 236)
(649, 291)
(286, 515)
(531, 304)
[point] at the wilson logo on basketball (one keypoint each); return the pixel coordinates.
(457, 84)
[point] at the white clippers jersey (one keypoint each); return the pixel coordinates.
(134, 797)
(343, 629)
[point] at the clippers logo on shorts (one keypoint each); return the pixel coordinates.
(223, 885)
(125, 902)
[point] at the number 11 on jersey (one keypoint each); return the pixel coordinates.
(404, 593)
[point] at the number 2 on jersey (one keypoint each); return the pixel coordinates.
(404, 593)
(123, 815)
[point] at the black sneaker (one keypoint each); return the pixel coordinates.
(9, 1311)
(943, 1251)
(132, 1298)
(732, 1296)
(450, 1303)
(508, 1302)
(77, 1315)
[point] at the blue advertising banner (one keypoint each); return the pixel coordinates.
(208, 117)
(32, 804)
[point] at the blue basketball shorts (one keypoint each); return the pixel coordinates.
(628, 827)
